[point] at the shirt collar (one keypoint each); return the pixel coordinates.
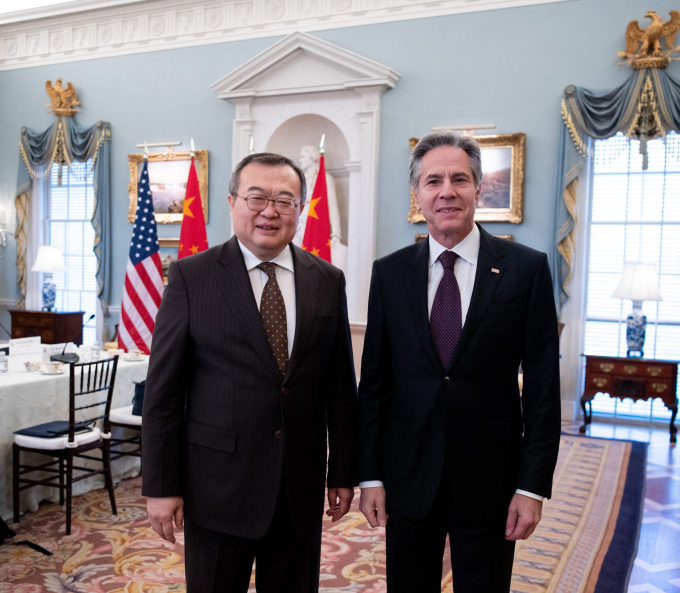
(467, 249)
(283, 259)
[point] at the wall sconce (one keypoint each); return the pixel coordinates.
(49, 261)
(638, 283)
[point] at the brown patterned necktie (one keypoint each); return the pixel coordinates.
(273, 313)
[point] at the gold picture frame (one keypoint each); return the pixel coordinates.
(168, 254)
(422, 236)
(503, 198)
(169, 169)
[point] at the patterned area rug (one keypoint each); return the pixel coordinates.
(586, 542)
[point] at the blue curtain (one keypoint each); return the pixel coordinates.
(645, 107)
(65, 142)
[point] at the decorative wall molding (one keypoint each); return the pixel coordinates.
(312, 87)
(95, 29)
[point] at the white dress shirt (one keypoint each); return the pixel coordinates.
(285, 277)
(465, 269)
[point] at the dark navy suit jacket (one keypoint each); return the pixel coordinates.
(420, 422)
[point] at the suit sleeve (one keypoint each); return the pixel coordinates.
(165, 393)
(374, 386)
(541, 387)
(342, 403)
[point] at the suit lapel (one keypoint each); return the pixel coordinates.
(416, 289)
(488, 276)
(234, 283)
(306, 299)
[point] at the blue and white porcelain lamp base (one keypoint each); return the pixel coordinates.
(49, 292)
(636, 325)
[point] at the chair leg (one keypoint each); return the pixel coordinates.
(69, 491)
(16, 456)
(108, 478)
(61, 481)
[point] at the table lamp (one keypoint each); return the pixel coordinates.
(638, 283)
(49, 261)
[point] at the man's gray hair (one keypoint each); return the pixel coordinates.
(269, 159)
(436, 139)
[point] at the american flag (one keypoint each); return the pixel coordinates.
(143, 276)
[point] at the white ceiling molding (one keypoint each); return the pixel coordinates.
(88, 29)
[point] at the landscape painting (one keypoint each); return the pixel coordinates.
(502, 194)
(168, 174)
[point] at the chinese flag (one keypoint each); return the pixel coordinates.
(192, 237)
(317, 239)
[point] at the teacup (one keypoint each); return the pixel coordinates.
(32, 365)
(52, 367)
(134, 355)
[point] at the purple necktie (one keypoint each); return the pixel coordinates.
(445, 319)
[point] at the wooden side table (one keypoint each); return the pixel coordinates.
(53, 327)
(637, 378)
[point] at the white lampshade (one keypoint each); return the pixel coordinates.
(638, 282)
(49, 260)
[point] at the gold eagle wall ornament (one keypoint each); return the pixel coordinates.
(64, 100)
(643, 46)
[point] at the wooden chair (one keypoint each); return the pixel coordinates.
(65, 441)
(131, 445)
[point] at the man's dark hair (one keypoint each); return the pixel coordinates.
(269, 159)
(436, 139)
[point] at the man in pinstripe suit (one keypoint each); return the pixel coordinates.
(234, 440)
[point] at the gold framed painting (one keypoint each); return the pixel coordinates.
(168, 253)
(502, 195)
(168, 174)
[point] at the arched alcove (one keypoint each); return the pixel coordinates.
(307, 129)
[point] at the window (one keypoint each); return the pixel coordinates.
(68, 226)
(635, 216)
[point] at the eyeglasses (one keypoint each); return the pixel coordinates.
(258, 202)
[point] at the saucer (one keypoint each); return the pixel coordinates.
(131, 358)
(55, 372)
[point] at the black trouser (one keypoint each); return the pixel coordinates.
(286, 561)
(481, 558)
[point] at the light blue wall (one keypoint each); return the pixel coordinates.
(507, 67)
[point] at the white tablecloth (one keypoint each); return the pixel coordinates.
(29, 398)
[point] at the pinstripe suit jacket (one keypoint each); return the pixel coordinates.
(220, 422)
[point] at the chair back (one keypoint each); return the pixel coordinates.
(90, 393)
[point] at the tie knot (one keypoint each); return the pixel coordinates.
(268, 268)
(448, 259)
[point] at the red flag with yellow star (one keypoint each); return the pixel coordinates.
(317, 239)
(192, 237)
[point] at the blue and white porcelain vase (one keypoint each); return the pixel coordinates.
(636, 324)
(49, 292)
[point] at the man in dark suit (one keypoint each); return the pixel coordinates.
(251, 366)
(447, 445)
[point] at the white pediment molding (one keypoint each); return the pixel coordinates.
(313, 64)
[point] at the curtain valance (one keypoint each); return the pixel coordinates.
(65, 142)
(645, 107)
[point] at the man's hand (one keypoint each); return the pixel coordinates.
(163, 512)
(372, 505)
(524, 514)
(339, 500)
